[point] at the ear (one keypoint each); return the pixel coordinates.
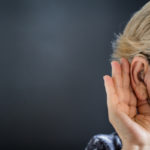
(138, 70)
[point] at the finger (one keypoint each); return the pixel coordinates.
(116, 74)
(111, 96)
(125, 73)
(109, 86)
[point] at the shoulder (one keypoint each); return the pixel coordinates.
(104, 142)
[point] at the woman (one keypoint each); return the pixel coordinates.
(128, 88)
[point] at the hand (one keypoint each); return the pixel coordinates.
(131, 122)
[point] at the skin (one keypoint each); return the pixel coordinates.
(128, 91)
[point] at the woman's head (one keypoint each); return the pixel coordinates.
(134, 45)
(135, 37)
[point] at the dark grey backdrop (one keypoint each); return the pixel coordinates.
(53, 55)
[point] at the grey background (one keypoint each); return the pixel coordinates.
(53, 55)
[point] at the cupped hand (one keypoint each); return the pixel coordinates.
(130, 122)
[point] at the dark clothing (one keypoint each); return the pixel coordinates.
(105, 142)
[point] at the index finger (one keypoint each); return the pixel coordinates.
(109, 85)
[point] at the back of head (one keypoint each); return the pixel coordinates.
(135, 38)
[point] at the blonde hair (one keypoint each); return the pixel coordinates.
(135, 38)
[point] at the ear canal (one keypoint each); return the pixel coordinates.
(141, 76)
